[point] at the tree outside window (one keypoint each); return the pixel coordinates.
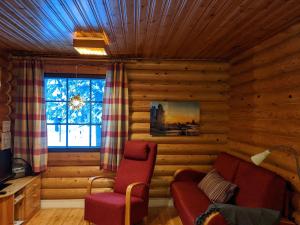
(79, 128)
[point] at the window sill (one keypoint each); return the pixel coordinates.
(74, 149)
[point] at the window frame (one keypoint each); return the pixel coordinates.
(74, 148)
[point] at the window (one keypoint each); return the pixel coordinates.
(78, 129)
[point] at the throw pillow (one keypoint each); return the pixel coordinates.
(216, 188)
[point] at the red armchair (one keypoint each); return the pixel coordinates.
(128, 203)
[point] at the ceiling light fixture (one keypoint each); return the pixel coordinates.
(90, 43)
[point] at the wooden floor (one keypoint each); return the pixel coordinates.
(157, 216)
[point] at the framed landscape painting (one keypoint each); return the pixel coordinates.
(174, 118)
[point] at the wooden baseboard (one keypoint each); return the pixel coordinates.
(79, 203)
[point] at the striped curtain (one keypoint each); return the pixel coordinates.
(114, 117)
(30, 133)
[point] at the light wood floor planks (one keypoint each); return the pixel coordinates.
(157, 216)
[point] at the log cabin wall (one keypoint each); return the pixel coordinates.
(205, 82)
(264, 104)
(5, 89)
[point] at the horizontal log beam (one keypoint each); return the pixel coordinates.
(185, 159)
(208, 127)
(74, 158)
(169, 170)
(144, 117)
(178, 96)
(144, 106)
(202, 138)
(177, 65)
(190, 149)
(74, 182)
(75, 171)
(180, 86)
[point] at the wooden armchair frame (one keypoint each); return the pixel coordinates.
(129, 190)
(92, 179)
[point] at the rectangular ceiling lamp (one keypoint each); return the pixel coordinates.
(87, 43)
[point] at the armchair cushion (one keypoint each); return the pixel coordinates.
(131, 171)
(101, 207)
(136, 150)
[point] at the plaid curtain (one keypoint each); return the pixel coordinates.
(114, 117)
(30, 133)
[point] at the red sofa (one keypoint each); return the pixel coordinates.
(257, 187)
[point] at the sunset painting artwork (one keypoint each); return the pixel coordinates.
(174, 118)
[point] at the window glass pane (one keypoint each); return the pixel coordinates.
(98, 89)
(80, 116)
(56, 135)
(56, 89)
(56, 112)
(82, 127)
(79, 135)
(96, 136)
(96, 113)
(81, 87)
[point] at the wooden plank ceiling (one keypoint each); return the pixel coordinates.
(173, 29)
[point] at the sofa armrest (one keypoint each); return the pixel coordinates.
(188, 175)
(285, 221)
(215, 219)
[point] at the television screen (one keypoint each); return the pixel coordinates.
(5, 165)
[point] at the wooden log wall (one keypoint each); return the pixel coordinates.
(5, 89)
(205, 82)
(265, 104)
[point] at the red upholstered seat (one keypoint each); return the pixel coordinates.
(137, 165)
(109, 208)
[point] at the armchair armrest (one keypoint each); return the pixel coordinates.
(129, 190)
(91, 181)
(188, 175)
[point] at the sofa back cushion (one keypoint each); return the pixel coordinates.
(259, 187)
(227, 165)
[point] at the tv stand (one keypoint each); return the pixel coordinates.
(2, 186)
(21, 200)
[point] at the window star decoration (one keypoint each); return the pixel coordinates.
(76, 102)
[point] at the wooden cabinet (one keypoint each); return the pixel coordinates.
(21, 200)
(6, 214)
(32, 198)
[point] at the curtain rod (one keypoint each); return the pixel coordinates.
(44, 58)
(109, 60)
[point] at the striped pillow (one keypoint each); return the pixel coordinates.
(216, 188)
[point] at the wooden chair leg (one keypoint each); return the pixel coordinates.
(145, 220)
